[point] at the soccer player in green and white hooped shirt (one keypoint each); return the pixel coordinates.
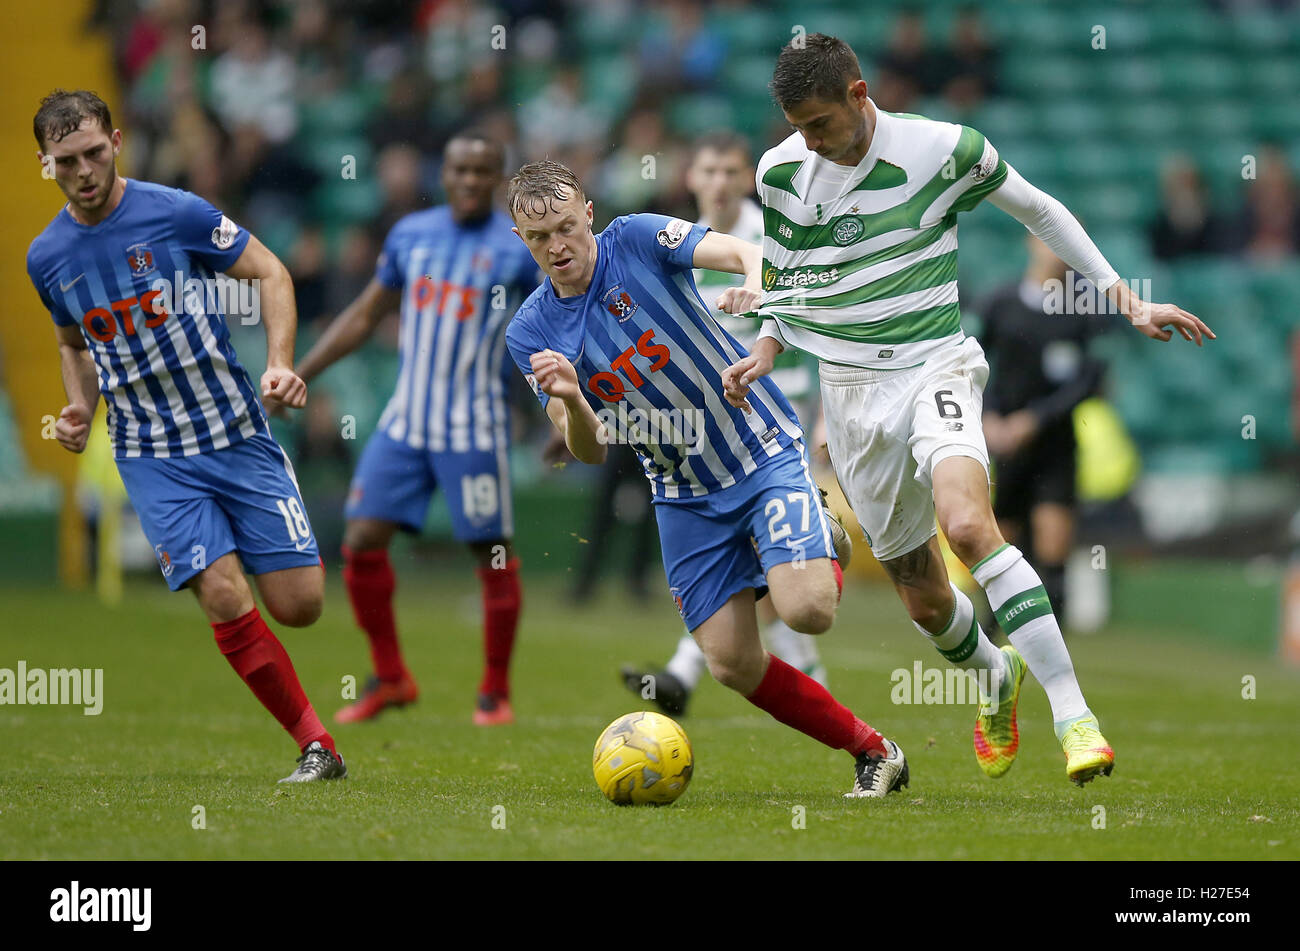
(720, 177)
(860, 269)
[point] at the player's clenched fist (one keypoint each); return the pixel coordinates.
(739, 300)
(281, 386)
(73, 428)
(555, 375)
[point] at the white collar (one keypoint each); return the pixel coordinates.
(806, 174)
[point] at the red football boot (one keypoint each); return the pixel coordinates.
(492, 710)
(378, 696)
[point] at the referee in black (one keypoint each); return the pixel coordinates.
(1041, 370)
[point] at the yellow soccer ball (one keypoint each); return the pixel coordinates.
(643, 759)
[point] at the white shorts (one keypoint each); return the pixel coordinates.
(886, 431)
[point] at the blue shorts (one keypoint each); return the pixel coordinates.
(394, 483)
(724, 542)
(243, 498)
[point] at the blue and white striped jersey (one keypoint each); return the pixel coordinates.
(649, 358)
(141, 286)
(460, 283)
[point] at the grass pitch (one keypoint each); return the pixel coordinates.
(1201, 772)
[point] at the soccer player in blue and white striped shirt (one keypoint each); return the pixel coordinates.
(127, 271)
(457, 273)
(617, 344)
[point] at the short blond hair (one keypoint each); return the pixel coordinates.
(536, 187)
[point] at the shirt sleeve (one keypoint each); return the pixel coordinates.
(1051, 221)
(388, 269)
(663, 241)
(58, 313)
(522, 344)
(976, 165)
(207, 234)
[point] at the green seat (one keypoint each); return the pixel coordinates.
(1194, 75)
(748, 75)
(1256, 30)
(1271, 77)
(692, 116)
(348, 201)
(343, 113)
(1143, 123)
(609, 78)
(1004, 121)
(1180, 25)
(1078, 125)
(326, 155)
(1129, 80)
(1275, 119)
(1086, 156)
(1209, 121)
(751, 29)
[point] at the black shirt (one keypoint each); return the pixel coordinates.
(1040, 361)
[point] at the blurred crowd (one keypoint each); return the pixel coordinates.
(253, 104)
(258, 105)
(1265, 228)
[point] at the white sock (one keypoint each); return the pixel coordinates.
(797, 650)
(1020, 604)
(688, 664)
(964, 644)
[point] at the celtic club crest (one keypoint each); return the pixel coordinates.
(847, 231)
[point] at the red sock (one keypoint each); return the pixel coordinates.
(370, 582)
(260, 659)
(795, 699)
(502, 598)
(839, 579)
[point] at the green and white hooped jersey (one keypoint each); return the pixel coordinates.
(860, 264)
(792, 371)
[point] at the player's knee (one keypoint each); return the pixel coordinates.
(737, 671)
(365, 535)
(811, 616)
(300, 611)
(223, 598)
(968, 532)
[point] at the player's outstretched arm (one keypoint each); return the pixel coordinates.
(349, 329)
(1049, 220)
(81, 383)
(725, 252)
(583, 432)
(280, 385)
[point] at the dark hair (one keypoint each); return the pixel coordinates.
(538, 185)
(62, 112)
(474, 134)
(722, 142)
(815, 66)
